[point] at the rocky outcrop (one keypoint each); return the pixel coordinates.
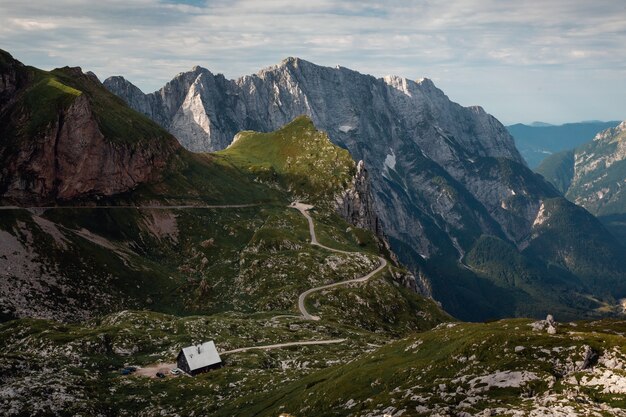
(592, 175)
(357, 204)
(74, 159)
(597, 182)
(68, 156)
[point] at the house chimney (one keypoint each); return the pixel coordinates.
(198, 349)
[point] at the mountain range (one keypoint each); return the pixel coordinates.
(77, 161)
(452, 191)
(539, 140)
(119, 247)
(592, 176)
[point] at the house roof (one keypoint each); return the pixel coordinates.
(202, 355)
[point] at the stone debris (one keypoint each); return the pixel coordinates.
(549, 325)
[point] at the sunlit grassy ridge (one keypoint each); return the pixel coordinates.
(298, 157)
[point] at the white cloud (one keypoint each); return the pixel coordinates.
(468, 46)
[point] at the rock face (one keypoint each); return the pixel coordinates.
(73, 159)
(67, 156)
(357, 204)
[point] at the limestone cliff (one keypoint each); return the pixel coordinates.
(357, 205)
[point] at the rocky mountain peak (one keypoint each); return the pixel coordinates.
(12, 76)
(371, 117)
(442, 175)
(78, 73)
(198, 69)
(290, 61)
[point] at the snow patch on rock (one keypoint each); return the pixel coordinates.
(390, 160)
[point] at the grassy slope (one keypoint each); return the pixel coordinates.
(297, 157)
(253, 260)
(433, 371)
(51, 92)
(47, 93)
(424, 373)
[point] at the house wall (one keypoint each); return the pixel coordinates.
(205, 369)
(181, 362)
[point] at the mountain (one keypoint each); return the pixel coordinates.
(64, 136)
(84, 233)
(539, 140)
(540, 124)
(447, 180)
(101, 287)
(592, 176)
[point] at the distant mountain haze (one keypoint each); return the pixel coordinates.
(539, 140)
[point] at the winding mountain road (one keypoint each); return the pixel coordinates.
(303, 208)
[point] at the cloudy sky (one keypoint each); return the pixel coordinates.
(524, 60)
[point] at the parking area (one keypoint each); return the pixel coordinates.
(152, 370)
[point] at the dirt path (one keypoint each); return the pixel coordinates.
(181, 207)
(303, 208)
(151, 370)
(282, 345)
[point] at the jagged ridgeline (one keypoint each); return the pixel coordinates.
(65, 137)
